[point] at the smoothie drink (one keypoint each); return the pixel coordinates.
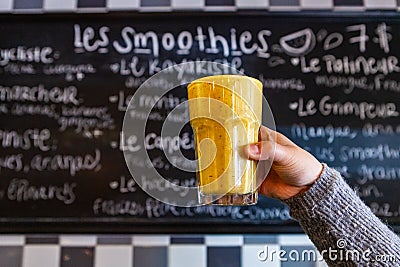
(225, 114)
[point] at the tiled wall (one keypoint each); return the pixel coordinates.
(164, 250)
(153, 250)
(40, 6)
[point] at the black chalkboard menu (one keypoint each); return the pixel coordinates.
(331, 80)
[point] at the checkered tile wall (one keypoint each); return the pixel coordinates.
(152, 250)
(163, 250)
(44, 6)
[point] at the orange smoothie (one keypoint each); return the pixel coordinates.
(225, 114)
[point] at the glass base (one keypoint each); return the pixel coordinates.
(229, 200)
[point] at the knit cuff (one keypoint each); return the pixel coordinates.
(308, 200)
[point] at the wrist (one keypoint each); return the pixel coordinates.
(298, 190)
(306, 187)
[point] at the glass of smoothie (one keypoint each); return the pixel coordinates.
(225, 114)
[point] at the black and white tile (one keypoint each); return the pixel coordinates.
(149, 250)
(48, 6)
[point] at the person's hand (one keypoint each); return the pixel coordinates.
(293, 170)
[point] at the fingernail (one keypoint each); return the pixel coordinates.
(254, 149)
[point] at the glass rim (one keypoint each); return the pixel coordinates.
(211, 78)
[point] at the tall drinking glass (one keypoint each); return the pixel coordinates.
(225, 114)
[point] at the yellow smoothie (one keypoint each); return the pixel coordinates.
(225, 114)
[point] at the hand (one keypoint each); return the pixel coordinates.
(293, 169)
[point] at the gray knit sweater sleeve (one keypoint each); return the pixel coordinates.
(337, 221)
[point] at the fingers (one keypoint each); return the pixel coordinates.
(267, 186)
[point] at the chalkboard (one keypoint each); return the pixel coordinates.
(331, 81)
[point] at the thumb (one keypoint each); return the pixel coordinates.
(260, 151)
(266, 150)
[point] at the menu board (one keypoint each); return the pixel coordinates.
(332, 83)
